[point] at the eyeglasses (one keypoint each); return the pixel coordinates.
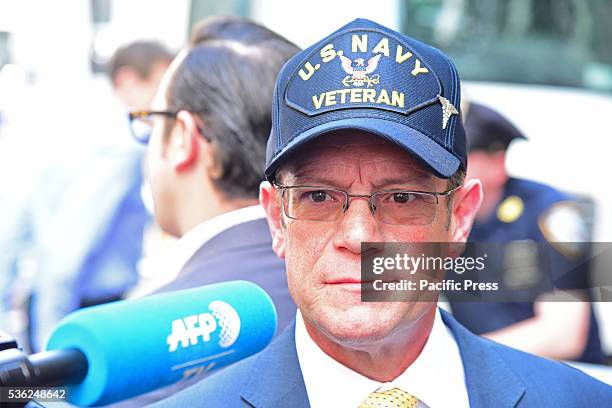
(394, 207)
(141, 124)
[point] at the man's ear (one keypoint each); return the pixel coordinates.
(464, 208)
(125, 81)
(125, 78)
(269, 199)
(183, 146)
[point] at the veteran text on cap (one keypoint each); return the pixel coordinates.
(365, 76)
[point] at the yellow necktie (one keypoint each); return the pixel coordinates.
(393, 398)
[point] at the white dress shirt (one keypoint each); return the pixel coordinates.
(170, 263)
(436, 377)
(199, 235)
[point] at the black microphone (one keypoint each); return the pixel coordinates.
(46, 369)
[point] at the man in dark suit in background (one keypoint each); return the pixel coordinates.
(208, 127)
(363, 153)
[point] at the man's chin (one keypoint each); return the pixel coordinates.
(359, 324)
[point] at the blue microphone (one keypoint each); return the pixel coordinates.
(135, 346)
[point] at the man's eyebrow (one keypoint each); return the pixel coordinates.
(302, 178)
(301, 173)
(411, 179)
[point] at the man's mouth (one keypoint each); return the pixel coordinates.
(349, 282)
(343, 281)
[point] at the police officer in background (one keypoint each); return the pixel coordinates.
(521, 210)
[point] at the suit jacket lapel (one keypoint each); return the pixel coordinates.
(276, 378)
(489, 380)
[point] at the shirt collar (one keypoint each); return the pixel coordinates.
(438, 367)
(196, 237)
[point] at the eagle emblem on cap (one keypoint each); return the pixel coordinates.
(447, 110)
(359, 72)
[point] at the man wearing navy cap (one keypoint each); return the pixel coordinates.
(367, 146)
(518, 210)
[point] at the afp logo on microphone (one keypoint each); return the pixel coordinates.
(190, 330)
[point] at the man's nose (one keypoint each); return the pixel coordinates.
(357, 225)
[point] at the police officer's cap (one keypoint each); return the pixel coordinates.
(487, 129)
(367, 77)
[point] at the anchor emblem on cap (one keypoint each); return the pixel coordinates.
(359, 72)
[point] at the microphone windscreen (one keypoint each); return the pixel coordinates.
(139, 345)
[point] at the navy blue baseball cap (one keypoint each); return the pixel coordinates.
(365, 76)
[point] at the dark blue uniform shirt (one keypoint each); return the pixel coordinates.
(520, 216)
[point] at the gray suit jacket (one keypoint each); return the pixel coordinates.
(243, 252)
